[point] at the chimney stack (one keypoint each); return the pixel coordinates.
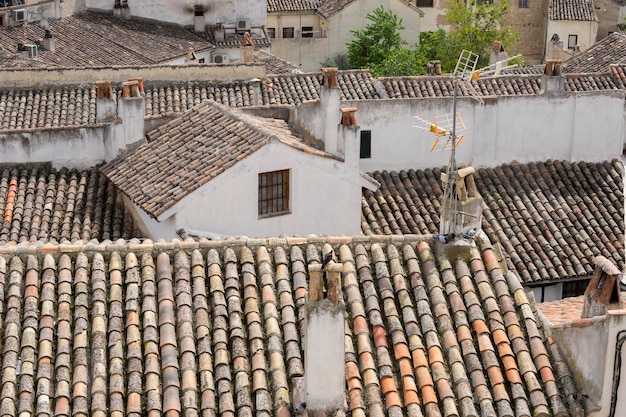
(330, 97)
(498, 53)
(603, 292)
(198, 18)
(324, 352)
(106, 109)
(131, 109)
(48, 42)
(434, 67)
(247, 48)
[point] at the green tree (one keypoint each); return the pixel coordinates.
(476, 24)
(373, 44)
(398, 62)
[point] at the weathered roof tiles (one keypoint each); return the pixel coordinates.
(40, 204)
(216, 328)
(551, 218)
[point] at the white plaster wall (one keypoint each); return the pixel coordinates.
(586, 31)
(325, 197)
(310, 53)
(573, 126)
(181, 11)
(434, 17)
(69, 147)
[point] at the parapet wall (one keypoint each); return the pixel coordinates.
(200, 72)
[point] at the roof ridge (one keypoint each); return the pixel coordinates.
(148, 245)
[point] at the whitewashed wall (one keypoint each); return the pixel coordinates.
(181, 11)
(572, 126)
(586, 31)
(325, 198)
(309, 53)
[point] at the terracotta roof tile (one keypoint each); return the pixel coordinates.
(273, 64)
(101, 39)
(146, 316)
(572, 10)
(599, 57)
(551, 218)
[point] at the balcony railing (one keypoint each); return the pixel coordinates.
(297, 34)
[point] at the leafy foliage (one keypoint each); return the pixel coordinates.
(476, 24)
(379, 38)
(339, 61)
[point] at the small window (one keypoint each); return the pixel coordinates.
(366, 144)
(575, 288)
(274, 193)
(484, 1)
(201, 61)
(572, 41)
(424, 3)
(523, 4)
(287, 32)
(307, 31)
(271, 32)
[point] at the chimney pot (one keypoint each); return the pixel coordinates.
(140, 83)
(330, 76)
(130, 89)
(348, 116)
(104, 89)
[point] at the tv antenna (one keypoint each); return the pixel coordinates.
(448, 131)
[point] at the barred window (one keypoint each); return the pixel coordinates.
(273, 193)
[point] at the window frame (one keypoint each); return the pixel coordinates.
(288, 31)
(523, 4)
(365, 144)
(569, 41)
(424, 3)
(306, 31)
(274, 193)
(271, 33)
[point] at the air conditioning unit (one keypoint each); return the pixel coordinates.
(19, 15)
(31, 49)
(220, 58)
(243, 25)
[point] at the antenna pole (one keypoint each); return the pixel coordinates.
(448, 209)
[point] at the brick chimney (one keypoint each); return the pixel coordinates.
(602, 293)
(434, 67)
(324, 352)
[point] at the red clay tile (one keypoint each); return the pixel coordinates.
(352, 370)
(546, 374)
(354, 383)
(355, 398)
(401, 351)
(388, 384)
(464, 333)
(419, 358)
(411, 397)
(380, 338)
(406, 369)
(495, 375)
(408, 383)
(360, 325)
(366, 360)
(434, 355)
(499, 336)
(499, 392)
(480, 327)
(423, 377)
(392, 399)
(513, 376)
(428, 395)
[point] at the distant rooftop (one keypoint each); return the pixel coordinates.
(582, 10)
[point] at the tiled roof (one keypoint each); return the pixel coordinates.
(591, 82)
(99, 39)
(274, 64)
(572, 10)
(566, 311)
(599, 57)
(328, 8)
(274, 6)
(189, 151)
(551, 218)
(47, 107)
(216, 328)
(233, 40)
(442, 86)
(40, 204)
(296, 88)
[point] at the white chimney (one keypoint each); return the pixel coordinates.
(330, 97)
(131, 110)
(324, 352)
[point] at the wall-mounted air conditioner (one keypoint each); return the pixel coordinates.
(220, 58)
(19, 15)
(31, 49)
(243, 25)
